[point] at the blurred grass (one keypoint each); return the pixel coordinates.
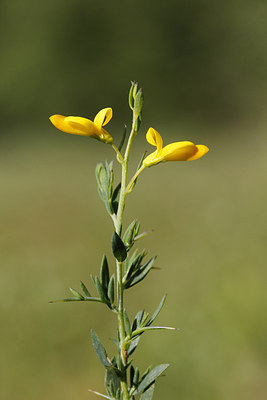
(210, 234)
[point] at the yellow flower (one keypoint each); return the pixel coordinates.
(85, 127)
(178, 151)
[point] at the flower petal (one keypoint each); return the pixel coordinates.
(179, 151)
(59, 122)
(82, 126)
(154, 138)
(201, 151)
(75, 125)
(103, 117)
(152, 159)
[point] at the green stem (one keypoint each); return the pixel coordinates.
(120, 288)
(129, 187)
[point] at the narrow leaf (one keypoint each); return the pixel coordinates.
(133, 345)
(131, 375)
(100, 290)
(76, 294)
(100, 350)
(84, 289)
(138, 103)
(127, 324)
(156, 313)
(150, 328)
(111, 289)
(104, 274)
(118, 394)
(99, 394)
(96, 299)
(111, 379)
(115, 198)
(118, 248)
(151, 377)
(148, 394)
(140, 274)
(136, 377)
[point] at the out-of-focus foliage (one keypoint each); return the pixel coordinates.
(197, 60)
(202, 59)
(209, 224)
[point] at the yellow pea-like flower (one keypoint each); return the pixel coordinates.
(85, 127)
(178, 151)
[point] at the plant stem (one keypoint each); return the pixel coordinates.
(129, 187)
(120, 288)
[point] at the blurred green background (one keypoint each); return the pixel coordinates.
(203, 67)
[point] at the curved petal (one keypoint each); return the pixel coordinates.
(81, 126)
(154, 138)
(178, 151)
(152, 159)
(201, 151)
(103, 117)
(59, 122)
(74, 125)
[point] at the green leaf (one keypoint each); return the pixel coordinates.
(118, 394)
(100, 350)
(156, 313)
(96, 299)
(131, 375)
(100, 290)
(84, 289)
(127, 323)
(148, 394)
(137, 319)
(151, 377)
(130, 234)
(77, 294)
(100, 394)
(112, 380)
(115, 198)
(136, 377)
(132, 94)
(134, 263)
(133, 345)
(104, 274)
(105, 177)
(138, 103)
(140, 274)
(111, 289)
(118, 248)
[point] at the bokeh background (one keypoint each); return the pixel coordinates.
(203, 67)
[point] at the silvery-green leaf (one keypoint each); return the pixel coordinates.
(100, 350)
(151, 377)
(85, 290)
(148, 394)
(76, 294)
(127, 324)
(156, 313)
(140, 274)
(111, 289)
(133, 345)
